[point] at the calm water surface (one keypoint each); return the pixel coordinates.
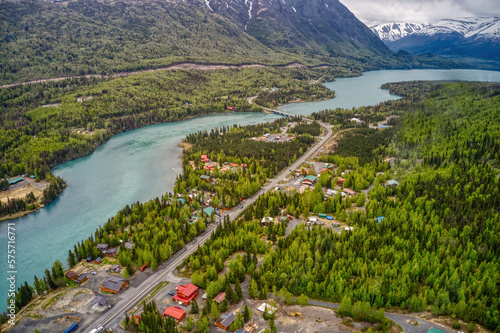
(365, 90)
(142, 164)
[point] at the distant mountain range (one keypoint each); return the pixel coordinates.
(40, 39)
(466, 39)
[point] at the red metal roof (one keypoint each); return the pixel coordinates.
(187, 290)
(175, 313)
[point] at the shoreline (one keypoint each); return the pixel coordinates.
(24, 213)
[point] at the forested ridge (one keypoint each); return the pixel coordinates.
(46, 124)
(42, 39)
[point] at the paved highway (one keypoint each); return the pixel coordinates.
(130, 297)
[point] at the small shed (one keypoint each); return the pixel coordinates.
(115, 268)
(98, 260)
(81, 278)
(71, 275)
(220, 298)
(349, 191)
(100, 300)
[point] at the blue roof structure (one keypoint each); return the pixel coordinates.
(379, 218)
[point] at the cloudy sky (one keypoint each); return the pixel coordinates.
(373, 12)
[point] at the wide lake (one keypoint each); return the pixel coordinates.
(142, 164)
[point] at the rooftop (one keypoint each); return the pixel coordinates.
(114, 283)
(187, 290)
(174, 312)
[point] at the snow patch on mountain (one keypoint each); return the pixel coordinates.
(469, 27)
(208, 5)
(394, 31)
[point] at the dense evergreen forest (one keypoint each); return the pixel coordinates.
(43, 125)
(437, 247)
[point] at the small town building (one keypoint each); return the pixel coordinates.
(129, 245)
(392, 182)
(15, 180)
(340, 181)
(115, 268)
(114, 284)
(349, 192)
(88, 259)
(99, 300)
(98, 260)
(205, 159)
(81, 278)
(71, 275)
(266, 220)
(220, 298)
(185, 294)
(205, 177)
(176, 313)
(379, 219)
(103, 247)
(225, 320)
(113, 251)
(309, 180)
(208, 211)
(331, 193)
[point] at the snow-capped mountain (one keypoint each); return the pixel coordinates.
(466, 38)
(391, 32)
(471, 27)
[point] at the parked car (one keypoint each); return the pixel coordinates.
(171, 293)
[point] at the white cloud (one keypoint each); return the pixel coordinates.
(419, 11)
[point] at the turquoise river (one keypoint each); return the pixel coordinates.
(142, 164)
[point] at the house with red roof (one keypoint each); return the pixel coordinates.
(340, 181)
(220, 298)
(205, 159)
(185, 294)
(176, 313)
